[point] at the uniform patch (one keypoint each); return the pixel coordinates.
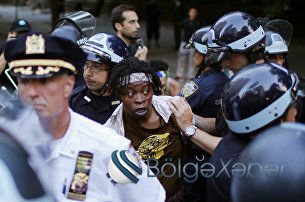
(116, 102)
(87, 99)
(189, 89)
(79, 184)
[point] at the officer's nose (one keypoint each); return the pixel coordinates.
(88, 72)
(28, 90)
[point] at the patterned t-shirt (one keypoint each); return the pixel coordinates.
(164, 145)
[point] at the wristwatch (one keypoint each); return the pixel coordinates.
(190, 131)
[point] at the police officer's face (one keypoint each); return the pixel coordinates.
(234, 61)
(137, 100)
(197, 59)
(277, 58)
(49, 97)
(130, 26)
(96, 75)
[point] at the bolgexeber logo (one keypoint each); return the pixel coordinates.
(123, 167)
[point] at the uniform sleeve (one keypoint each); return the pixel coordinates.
(195, 93)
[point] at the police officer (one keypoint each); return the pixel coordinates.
(203, 95)
(240, 38)
(93, 100)
(276, 48)
(278, 155)
(80, 149)
(276, 51)
(257, 97)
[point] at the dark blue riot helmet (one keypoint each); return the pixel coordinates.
(275, 164)
(237, 32)
(258, 95)
(105, 48)
(198, 42)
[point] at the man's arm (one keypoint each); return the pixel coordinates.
(184, 116)
(205, 124)
(2, 63)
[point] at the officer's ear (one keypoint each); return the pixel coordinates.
(118, 26)
(291, 114)
(68, 86)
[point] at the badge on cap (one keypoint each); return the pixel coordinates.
(189, 89)
(35, 44)
(79, 184)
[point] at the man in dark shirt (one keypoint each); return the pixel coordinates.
(93, 100)
(125, 23)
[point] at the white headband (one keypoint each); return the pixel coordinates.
(136, 77)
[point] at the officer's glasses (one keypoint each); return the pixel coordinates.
(95, 67)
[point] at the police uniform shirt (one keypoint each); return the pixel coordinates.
(86, 135)
(94, 107)
(223, 158)
(204, 92)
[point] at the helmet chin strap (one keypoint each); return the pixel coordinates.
(103, 89)
(201, 69)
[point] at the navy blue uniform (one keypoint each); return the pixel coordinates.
(225, 155)
(203, 95)
(204, 92)
(96, 108)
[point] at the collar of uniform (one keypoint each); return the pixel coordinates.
(90, 98)
(86, 97)
(69, 146)
(208, 72)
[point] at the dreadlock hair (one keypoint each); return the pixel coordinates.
(120, 75)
